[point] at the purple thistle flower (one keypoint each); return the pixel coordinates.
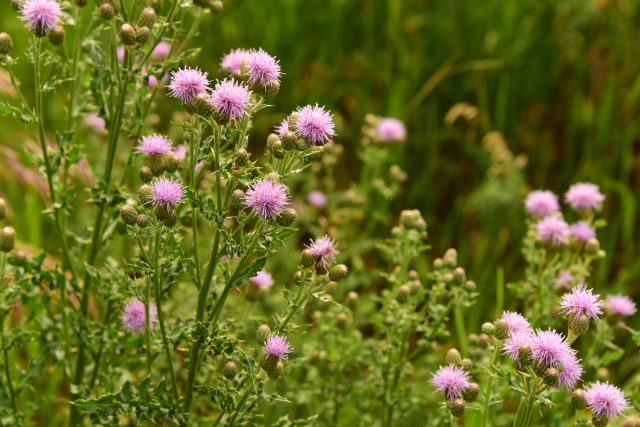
(564, 280)
(133, 317)
(230, 99)
(541, 203)
(584, 196)
(161, 51)
(605, 400)
(187, 83)
(620, 304)
(516, 322)
(582, 232)
(548, 348)
(262, 68)
(390, 130)
(277, 347)
(515, 342)
(95, 123)
(262, 279)
(267, 198)
(166, 193)
(552, 230)
(581, 302)
(317, 198)
(451, 380)
(324, 249)
(232, 61)
(314, 125)
(154, 145)
(180, 152)
(41, 15)
(282, 128)
(571, 370)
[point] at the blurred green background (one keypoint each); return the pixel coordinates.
(559, 78)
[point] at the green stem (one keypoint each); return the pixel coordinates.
(489, 384)
(5, 351)
(525, 409)
(147, 321)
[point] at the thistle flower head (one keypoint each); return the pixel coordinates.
(451, 380)
(552, 230)
(541, 203)
(267, 198)
(232, 61)
(180, 152)
(161, 51)
(277, 347)
(262, 68)
(41, 15)
(95, 123)
(605, 400)
(516, 322)
(581, 302)
(582, 232)
(314, 125)
(230, 99)
(390, 130)
(571, 370)
(514, 343)
(166, 193)
(584, 196)
(324, 249)
(262, 279)
(154, 145)
(317, 198)
(133, 317)
(548, 348)
(282, 128)
(564, 280)
(621, 305)
(187, 83)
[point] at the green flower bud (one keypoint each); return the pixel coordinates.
(237, 198)
(241, 157)
(488, 328)
(450, 258)
(352, 299)
(404, 292)
(217, 6)
(578, 400)
(56, 35)
(551, 376)
(467, 364)
(169, 217)
(142, 34)
(230, 369)
(290, 141)
(470, 393)
(592, 246)
(145, 193)
(579, 325)
(438, 263)
(127, 34)
(171, 163)
(307, 259)
(276, 149)
(501, 329)
(107, 11)
(6, 44)
(145, 174)
(454, 357)
(7, 239)
(599, 421)
(456, 407)
(271, 139)
(338, 272)
(147, 17)
(19, 259)
(342, 319)
(142, 220)
(128, 214)
(458, 275)
(415, 286)
(201, 105)
(287, 217)
(470, 285)
(262, 333)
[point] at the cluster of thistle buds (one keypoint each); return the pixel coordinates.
(454, 381)
(132, 34)
(449, 271)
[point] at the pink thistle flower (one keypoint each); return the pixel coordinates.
(552, 230)
(262, 68)
(317, 198)
(41, 15)
(548, 348)
(581, 302)
(451, 380)
(161, 51)
(516, 322)
(120, 54)
(133, 317)
(277, 347)
(584, 197)
(605, 400)
(267, 198)
(564, 280)
(180, 152)
(282, 128)
(232, 61)
(230, 99)
(390, 130)
(95, 123)
(166, 193)
(324, 249)
(515, 342)
(541, 203)
(314, 125)
(154, 145)
(571, 370)
(262, 279)
(621, 305)
(187, 83)
(582, 232)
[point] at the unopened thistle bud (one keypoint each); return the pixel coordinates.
(467, 364)
(201, 105)
(578, 400)
(338, 272)
(488, 328)
(287, 217)
(307, 259)
(237, 198)
(458, 275)
(272, 138)
(56, 35)
(454, 357)
(142, 220)
(262, 333)
(127, 34)
(6, 44)
(147, 17)
(18, 259)
(438, 263)
(171, 163)
(599, 421)
(593, 246)
(230, 369)
(404, 292)
(7, 239)
(270, 89)
(415, 286)
(450, 258)
(342, 319)
(456, 407)
(107, 11)
(217, 6)
(501, 329)
(470, 393)
(579, 325)
(145, 193)
(241, 157)
(128, 214)
(352, 299)
(169, 217)
(470, 285)
(145, 174)
(290, 141)
(276, 149)
(142, 34)
(551, 376)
